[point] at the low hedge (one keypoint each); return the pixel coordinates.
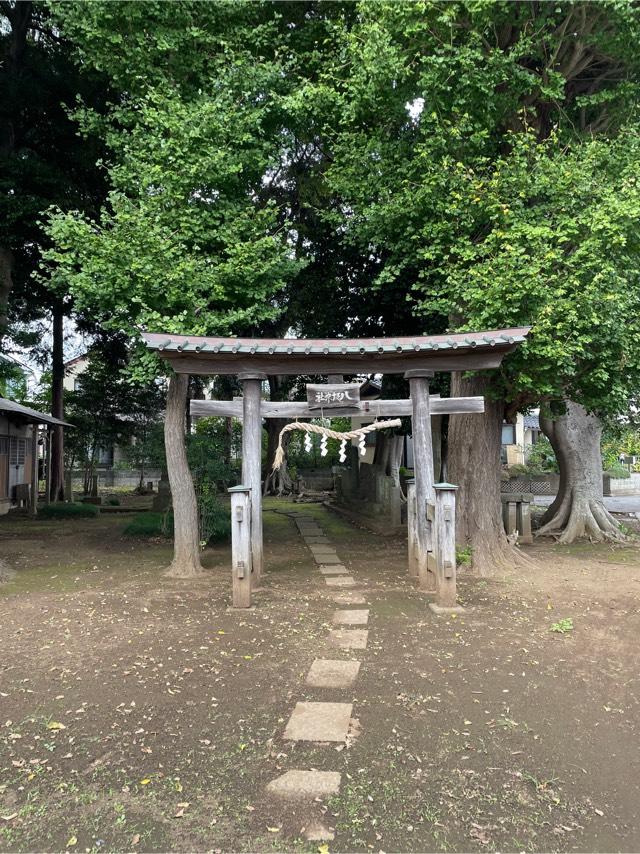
(68, 511)
(150, 524)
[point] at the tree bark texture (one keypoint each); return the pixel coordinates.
(279, 482)
(19, 16)
(57, 405)
(474, 466)
(578, 509)
(186, 541)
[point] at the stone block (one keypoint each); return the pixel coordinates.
(319, 722)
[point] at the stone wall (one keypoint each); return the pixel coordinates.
(364, 490)
(117, 478)
(621, 486)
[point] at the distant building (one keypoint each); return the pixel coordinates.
(20, 450)
(518, 437)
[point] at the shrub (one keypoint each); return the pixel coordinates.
(618, 472)
(541, 458)
(68, 511)
(113, 502)
(215, 522)
(150, 524)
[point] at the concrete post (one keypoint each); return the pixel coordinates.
(423, 470)
(252, 462)
(240, 546)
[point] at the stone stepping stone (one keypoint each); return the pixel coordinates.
(327, 558)
(322, 549)
(332, 673)
(303, 785)
(349, 597)
(336, 569)
(318, 832)
(341, 581)
(359, 617)
(317, 541)
(349, 638)
(319, 722)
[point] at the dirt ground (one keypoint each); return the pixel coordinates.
(138, 714)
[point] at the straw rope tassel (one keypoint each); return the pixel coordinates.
(330, 434)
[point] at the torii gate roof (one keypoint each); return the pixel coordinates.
(463, 351)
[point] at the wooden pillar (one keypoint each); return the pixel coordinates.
(33, 502)
(411, 528)
(445, 545)
(423, 471)
(47, 467)
(252, 462)
(240, 546)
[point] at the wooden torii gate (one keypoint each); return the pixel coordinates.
(417, 358)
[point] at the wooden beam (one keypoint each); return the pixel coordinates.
(295, 409)
(194, 363)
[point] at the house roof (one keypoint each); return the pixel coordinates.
(532, 422)
(458, 351)
(31, 416)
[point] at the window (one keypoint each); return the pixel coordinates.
(508, 434)
(17, 451)
(4, 445)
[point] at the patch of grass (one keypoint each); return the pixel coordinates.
(562, 627)
(150, 524)
(68, 511)
(464, 556)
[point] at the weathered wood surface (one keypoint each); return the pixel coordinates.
(252, 464)
(411, 528)
(332, 395)
(33, 496)
(240, 547)
(194, 363)
(423, 472)
(296, 409)
(445, 545)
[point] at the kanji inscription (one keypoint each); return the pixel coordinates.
(333, 396)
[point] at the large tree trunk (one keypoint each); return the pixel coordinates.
(276, 482)
(14, 43)
(186, 540)
(578, 509)
(474, 466)
(57, 405)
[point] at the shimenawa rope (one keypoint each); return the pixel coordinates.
(331, 434)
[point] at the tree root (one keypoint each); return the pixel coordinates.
(582, 517)
(183, 569)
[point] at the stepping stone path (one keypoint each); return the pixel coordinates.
(305, 784)
(330, 720)
(329, 673)
(319, 722)
(349, 638)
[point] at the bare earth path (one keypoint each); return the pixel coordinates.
(137, 713)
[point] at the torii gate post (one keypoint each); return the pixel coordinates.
(423, 472)
(252, 462)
